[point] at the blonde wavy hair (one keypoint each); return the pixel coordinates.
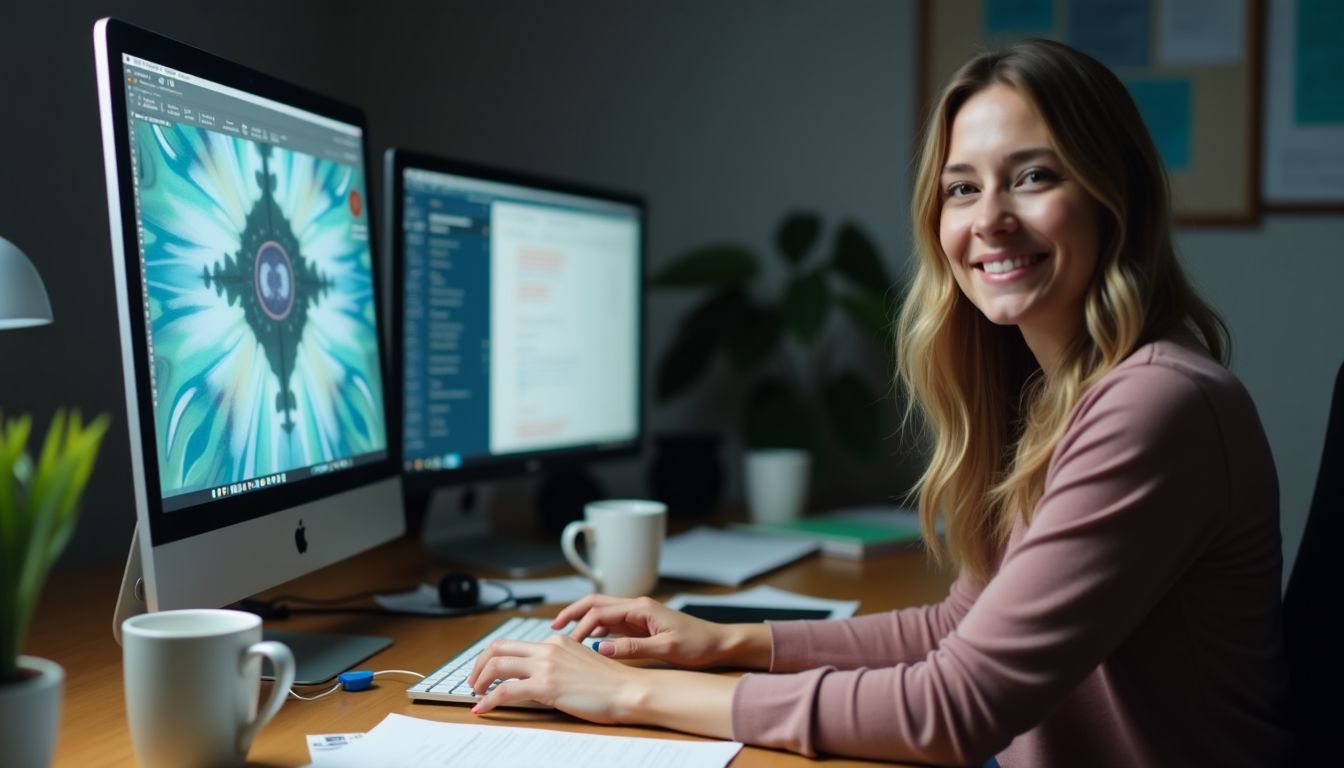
(975, 387)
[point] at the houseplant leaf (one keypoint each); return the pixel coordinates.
(871, 315)
(855, 258)
(854, 411)
(796, 235)
(15, 469)
(709, 267)
(681, 365)
(755, 335)
(38, 507)
(806, 302)
(699, 336)
(775, 416)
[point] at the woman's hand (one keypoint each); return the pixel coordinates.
(651, 630)
(563, 674)
(558, 672)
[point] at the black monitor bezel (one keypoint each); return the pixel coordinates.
(417, 484)
(165, 527)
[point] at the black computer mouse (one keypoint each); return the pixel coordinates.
(459, 590)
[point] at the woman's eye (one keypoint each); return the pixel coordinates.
(959, 189)
(1038, 176)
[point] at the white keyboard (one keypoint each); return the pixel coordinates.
(449, 682)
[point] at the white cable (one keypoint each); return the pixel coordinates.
(417, 675)
(337, 686)
(327, 692)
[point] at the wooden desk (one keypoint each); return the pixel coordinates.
(73, 627)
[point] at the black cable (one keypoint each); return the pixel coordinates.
(338, 600)
(279, 607)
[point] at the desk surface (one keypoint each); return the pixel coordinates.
(73, 627)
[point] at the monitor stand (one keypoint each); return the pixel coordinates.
(457, 530)
(318, 657)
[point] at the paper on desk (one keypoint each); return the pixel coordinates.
(321, 745)
(400, 741)
(768, 597)
(563, 589)
(727, 557)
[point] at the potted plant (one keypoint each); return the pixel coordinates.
(798, 344)
(39, 501)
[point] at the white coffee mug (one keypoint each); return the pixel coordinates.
(625, 537)
(192, 679)
(776, 481)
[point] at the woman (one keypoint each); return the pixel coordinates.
(1108, 494)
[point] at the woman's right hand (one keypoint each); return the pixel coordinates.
(647, 629)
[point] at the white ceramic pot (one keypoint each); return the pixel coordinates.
(777, 481)
(30, 714)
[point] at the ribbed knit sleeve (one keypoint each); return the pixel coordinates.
(1137, 490)
(877, 640)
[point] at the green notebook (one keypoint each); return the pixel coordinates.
(846, 537)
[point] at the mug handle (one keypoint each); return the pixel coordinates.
(283, 663)
(567, 538)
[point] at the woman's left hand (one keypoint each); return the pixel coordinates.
(559, 673)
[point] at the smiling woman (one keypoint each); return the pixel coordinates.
(1018, 231)
(1037, 153)
(1107, 491)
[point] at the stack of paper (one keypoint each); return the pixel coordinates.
(727, 557)
(401, 741)
(853, 533)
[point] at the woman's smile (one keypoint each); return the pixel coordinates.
(1005, 268)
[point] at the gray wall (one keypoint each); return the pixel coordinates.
(53, 205)
(724, 115)
(1277, 286)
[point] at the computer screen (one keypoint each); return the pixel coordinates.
(246, 275)
(521, 307)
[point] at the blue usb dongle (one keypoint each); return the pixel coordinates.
(355, 680)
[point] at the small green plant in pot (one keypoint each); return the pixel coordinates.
(39, 501)
(798, 344)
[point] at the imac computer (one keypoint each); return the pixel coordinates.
(519, 306)
(247, 302)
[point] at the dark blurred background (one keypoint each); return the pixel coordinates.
(725, 115)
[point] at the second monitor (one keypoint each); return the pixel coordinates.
(519, 306)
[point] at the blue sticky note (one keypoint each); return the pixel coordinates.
(1007, 16)
(1166, 108)
(1118, 33)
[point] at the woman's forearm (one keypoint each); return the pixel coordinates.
(746, 646)
(693, 702)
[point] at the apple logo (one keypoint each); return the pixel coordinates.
(300, 541)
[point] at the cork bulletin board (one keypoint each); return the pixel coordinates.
(1193, 67)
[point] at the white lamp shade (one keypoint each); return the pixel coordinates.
(23, 298)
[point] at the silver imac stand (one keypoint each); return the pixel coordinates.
(458, 530)
(318, 656)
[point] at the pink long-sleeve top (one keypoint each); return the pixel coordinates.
(1135, 621)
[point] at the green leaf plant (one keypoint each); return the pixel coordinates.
(788, 349)
(39, 504)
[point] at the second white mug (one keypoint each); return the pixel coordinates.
(625, 539)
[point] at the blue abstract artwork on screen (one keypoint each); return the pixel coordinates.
(260, 307)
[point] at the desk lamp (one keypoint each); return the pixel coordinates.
(23, 298)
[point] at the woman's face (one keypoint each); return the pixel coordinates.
(1021, 236)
